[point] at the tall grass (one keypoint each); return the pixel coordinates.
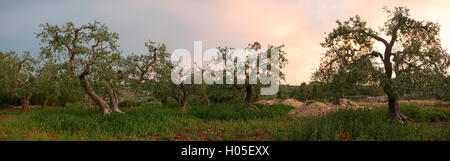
(373, 125)
(222, 122)
(235, 112)
(137, 124)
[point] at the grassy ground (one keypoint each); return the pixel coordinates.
(222, 122)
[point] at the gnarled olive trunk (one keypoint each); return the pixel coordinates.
(24, 101)
(247, 100)
(184, 100)
(394, 111)
(207, 101)
(390, 90)
(113, 99)
(104, 108)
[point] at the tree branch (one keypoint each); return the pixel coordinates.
(376, 37)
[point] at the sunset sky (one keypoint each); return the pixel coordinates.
(298, 24)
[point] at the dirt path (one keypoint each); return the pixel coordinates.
(313, 109)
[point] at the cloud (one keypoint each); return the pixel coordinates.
(300, 25)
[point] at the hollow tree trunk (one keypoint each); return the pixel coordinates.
(104, 108)
(114, 101)
(247, 100)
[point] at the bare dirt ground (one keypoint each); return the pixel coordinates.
(313, 109)
(319, 108)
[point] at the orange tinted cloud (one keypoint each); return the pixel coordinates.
(300, 25)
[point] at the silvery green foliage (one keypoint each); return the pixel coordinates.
(410, 60)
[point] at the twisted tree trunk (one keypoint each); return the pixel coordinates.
(207, 101)
(104, 108)
(247, 100)
(113, 99)
(24, 101)
(184, 100)
(394, 110)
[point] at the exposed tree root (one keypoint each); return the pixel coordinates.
(400, 118)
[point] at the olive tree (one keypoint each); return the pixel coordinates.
(80, 50)
(251, 63)
(411, 53)
(22, 76)
(149, 73)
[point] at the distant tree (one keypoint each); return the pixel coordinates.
(412, 54)
(21, 76)
(445, 90)
(249, 88)
(151, 73)
(6, 74)
(80, 50)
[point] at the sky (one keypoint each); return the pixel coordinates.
(298, 24)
